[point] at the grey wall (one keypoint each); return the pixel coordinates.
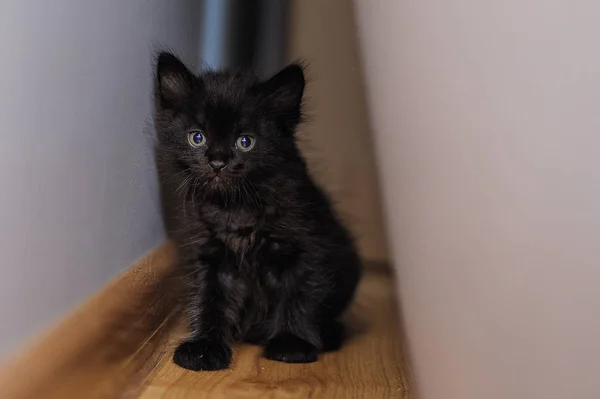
(337, 141)
(487, 122)
(78, 194)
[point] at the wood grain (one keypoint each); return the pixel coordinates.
(107, 346)
(119, 345)
(370, 365)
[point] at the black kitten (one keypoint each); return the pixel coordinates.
(267, 259)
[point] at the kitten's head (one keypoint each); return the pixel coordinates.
(225, 130)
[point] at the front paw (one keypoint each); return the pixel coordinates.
(202, 355)
(290, 349)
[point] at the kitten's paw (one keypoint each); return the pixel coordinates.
(202, 355)
(290, 349)
(333, 335)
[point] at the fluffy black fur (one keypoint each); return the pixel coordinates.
(266, 258)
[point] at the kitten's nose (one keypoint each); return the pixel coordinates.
(217, 164)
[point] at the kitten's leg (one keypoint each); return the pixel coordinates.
(309, 299)
(308, 324)
(332, 335)
(289, 348)
(298, 338)
(209, 344)
(203, 355)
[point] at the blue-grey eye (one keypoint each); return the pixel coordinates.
(196, 138)
(245, 143)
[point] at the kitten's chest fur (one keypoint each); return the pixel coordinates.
(250, 234)
(262, 258)
(237, 229)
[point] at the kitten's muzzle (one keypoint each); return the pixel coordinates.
(217, 165)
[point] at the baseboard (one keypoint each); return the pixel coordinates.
(106, 347)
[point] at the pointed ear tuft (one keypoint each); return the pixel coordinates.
(282, 94)
(175, 82)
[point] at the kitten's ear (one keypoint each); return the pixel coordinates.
(175, 82)
(282, 94)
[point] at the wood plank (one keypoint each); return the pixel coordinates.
(120, 342)
(107, 346)
(370, 365)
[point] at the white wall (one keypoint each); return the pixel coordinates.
(487, 126)
(78, 196)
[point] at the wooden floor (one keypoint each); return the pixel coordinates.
(370, 365)
(119, 344)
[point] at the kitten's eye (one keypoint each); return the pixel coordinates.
(245, 143)
(196, 138)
